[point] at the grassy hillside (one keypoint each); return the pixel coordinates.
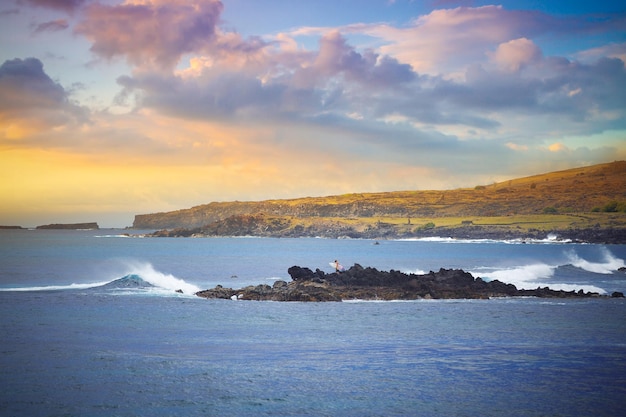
(577, 198)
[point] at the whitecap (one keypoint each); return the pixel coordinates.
(72, 286)
(520, 275)
(608, 266)
(414, 271)
(540, 275)
(164, 283)
(146, 271)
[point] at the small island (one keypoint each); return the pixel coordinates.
(361, 283)
(70, 226)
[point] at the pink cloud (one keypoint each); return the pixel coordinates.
(340, 84)
(515, 54)
(613, 50)
(67, 5)
(52, 26)
(153, 33)
(445, 41)
(337, 58)
(451, 3)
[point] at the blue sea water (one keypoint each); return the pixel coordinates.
(73, 344)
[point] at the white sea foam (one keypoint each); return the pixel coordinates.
(608, 266)
(164, 283)
(539, 274)
(521, 274)
(550, 239)
(73, 286)
(530, 277)
(524, 277)
(427, 239)
(414, 271)
(572, 287)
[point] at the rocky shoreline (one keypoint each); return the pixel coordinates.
(256, 226)
(371, 284)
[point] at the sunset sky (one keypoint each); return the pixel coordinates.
(114, 108)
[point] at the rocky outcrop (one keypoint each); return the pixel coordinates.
(371, 284)
(71, 226)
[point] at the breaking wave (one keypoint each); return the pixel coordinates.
(157, 281)
(608, 266)
(146, 271)
(549, 239)
(534, 275)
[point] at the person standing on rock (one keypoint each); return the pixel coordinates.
(338, 267)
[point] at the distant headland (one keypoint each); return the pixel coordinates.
(585, 204)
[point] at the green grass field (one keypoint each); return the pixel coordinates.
(519, 222)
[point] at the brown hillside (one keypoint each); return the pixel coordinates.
(576, 190)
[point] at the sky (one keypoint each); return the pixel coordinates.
(111, 108)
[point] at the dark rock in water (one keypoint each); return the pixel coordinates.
(128, 281)
(617, 294)
(371, 284)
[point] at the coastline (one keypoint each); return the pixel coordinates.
(473, 232)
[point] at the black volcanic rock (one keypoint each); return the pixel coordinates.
(370, 284)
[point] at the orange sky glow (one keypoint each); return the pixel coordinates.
(101, 119)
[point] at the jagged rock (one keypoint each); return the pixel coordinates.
(369, 283)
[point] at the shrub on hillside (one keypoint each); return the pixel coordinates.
(611, 207)
(427, 226)
(615, 206)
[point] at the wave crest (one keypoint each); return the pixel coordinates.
(146, 272)
(134, 274)
(609, 265)
(539, 274)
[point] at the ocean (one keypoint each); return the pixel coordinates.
(75, 342)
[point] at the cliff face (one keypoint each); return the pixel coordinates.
(261, 225)
(575, 190)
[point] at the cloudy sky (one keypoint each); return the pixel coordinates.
(112, 108)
